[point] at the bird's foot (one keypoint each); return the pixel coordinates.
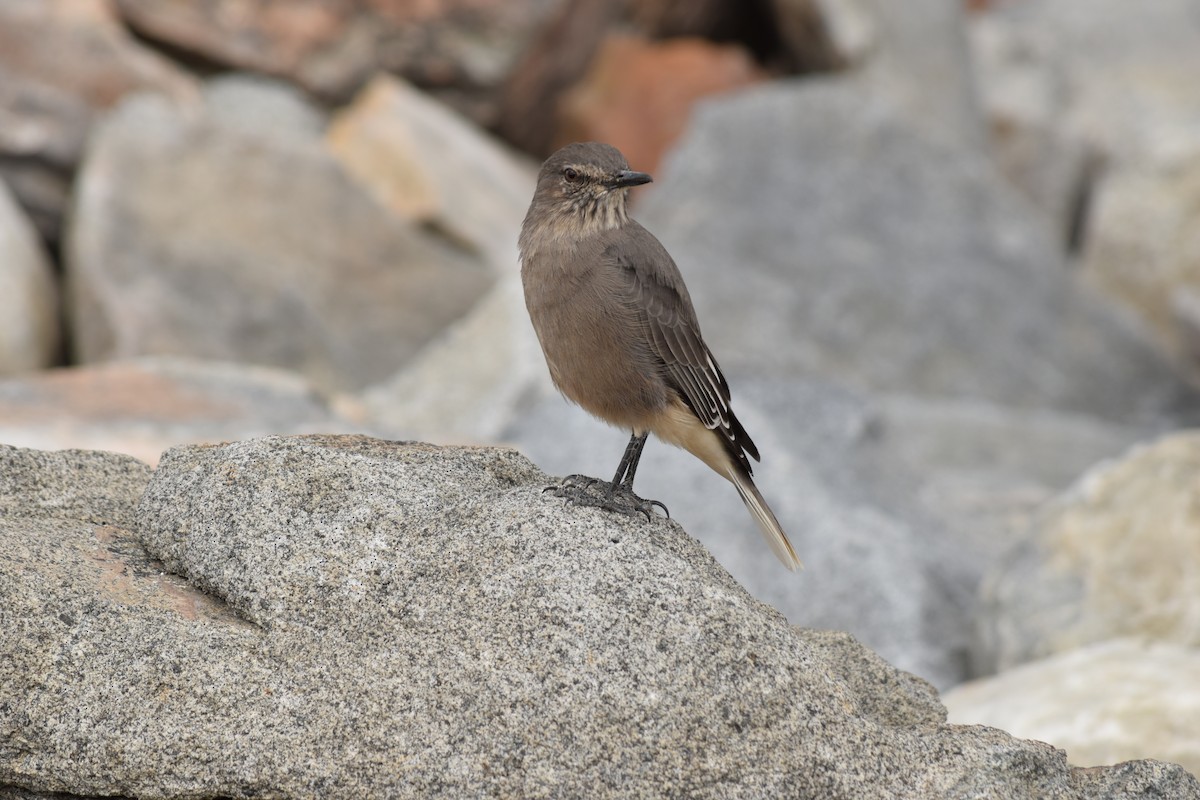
(580, 490)
(621, 498)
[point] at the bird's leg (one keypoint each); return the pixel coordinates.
(577, 484)
(620, 495)
(617, 495)
(629, 461)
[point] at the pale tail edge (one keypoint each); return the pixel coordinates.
(771, 529)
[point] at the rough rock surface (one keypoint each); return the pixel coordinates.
(343, 617)
(84, 485)
(231, 233)
(1101, 703)
(1113, 557)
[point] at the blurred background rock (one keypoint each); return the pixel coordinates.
(967, 229)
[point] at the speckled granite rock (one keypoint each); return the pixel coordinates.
(346, 617)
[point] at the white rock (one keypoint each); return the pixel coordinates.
(1116, 556)
(1108, 702)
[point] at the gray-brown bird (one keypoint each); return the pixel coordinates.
(620, 335)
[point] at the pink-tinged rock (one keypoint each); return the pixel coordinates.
(787, 36)
(638, 95)
(433, 166)
(142, 407)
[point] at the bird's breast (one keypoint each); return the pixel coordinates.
(595, 345)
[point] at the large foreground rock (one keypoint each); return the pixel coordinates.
(347, 618)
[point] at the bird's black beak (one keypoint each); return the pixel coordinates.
(628, 177)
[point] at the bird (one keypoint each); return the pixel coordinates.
(620, 335)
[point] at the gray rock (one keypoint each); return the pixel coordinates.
(360, 618)
(1110, 75)
(1102, 703)
(61, 65)
(1112, 557)
(430, 165)
(195, 236)
(1022, 90)
(87, 485)
(462, 50)
(922, 61)
(852, 29)
(821, 234)
(985, 471)
(867, 571)
(1076, 87)
(29, 327)
(473, 381)
(143, 406)
(897, 505)
(17, 793)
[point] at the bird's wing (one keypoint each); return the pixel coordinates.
(660, 299)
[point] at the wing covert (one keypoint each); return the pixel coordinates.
(674, 336)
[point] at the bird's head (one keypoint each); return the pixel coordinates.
(589, 181)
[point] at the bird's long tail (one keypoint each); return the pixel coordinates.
(681, 427)
(771, 529)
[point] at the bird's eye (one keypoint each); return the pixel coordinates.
(571, 174)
